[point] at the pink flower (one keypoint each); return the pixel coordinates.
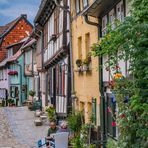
(113, 124)
(123, 116)
(108, 110)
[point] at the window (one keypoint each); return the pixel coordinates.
(94, 110)
(46, 35)
(2, 74)
(10, 52)
(112, 129)
(82, 105)
(104, 25)
(85, 3)
(112, 18)
(28, 57)
(77, 6)
(56, 20)
(80, 47)
(87, 43)
(120, 11)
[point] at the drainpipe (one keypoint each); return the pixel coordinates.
(66, 8)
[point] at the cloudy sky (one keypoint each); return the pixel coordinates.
(11, 9)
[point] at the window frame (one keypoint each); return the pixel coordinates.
(78, 6)
(107, 15)
(56, 20)
(84, 6)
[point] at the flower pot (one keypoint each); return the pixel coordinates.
(85, 67)
(79, 68)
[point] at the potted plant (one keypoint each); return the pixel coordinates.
(79, 64)
(87, 62)
(32, 93)
(51, 113)
(10, 102)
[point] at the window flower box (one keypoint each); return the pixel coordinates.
(13, 72)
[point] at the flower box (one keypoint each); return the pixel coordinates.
(13, 73)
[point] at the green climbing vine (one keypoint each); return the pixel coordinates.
(130, 42)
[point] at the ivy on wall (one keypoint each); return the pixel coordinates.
(130, 39)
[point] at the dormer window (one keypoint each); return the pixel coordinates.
(10, 52)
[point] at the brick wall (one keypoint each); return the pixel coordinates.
(20, 31)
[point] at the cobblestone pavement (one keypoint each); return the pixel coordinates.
(17, 129)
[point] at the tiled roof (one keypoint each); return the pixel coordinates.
(9, 26)
(4, 29)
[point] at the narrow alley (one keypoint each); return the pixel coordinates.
(17, 129)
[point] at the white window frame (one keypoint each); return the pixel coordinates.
(78, 6)
(85, 3)
(10, 52)
(120, 11)
(112, 18)
(104, 25)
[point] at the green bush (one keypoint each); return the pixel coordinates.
(51, 113)
(75, 121)
(32, 93)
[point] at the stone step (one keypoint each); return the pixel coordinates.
(38, 122)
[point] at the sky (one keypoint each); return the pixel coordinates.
(11, 9)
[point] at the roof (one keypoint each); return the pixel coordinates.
(3, 29)
(15, 56)
(28, 44)
(99, 7)
(20, 42)
(45, 10)
(8, 27)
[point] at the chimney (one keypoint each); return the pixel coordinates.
(24, 15)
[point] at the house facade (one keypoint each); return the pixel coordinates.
(107, 13)
(29, 49)
(13, 32)
(17, 79)
(54, 40)
(86, 81)
(4, 81)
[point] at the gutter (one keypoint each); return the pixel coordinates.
(89, 22)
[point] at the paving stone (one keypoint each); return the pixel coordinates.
(17, 129)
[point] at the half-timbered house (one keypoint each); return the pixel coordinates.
(52, 21)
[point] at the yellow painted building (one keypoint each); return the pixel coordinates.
(86, 82)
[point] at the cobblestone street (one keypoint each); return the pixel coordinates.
(17, 129)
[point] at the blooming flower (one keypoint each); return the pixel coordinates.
(113, 123)
(118, 75)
